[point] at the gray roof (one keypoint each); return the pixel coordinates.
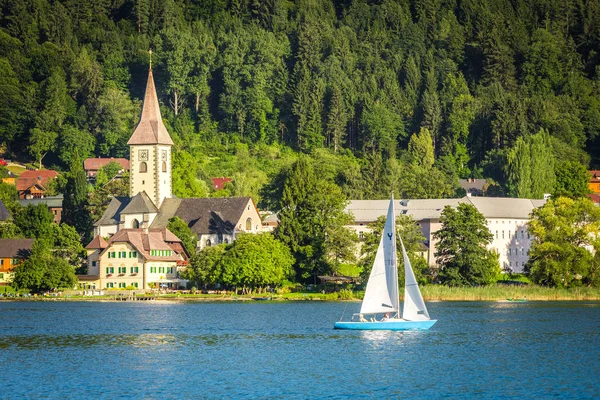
(112, 214)
(139, 204)
(366, 211)
(4, 213)
(468, 184)
(49, 201)
(210, 215)
(369, 210)
(15, 248)
(503, 207)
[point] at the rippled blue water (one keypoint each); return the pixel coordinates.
(289, 350)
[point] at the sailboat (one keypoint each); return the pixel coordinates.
(381, 294)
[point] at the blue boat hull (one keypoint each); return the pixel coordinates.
(397, 325)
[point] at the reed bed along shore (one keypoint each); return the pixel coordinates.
(500, 292)
(430, 293)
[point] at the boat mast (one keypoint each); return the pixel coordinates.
(394, 290)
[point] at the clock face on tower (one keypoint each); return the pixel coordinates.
(164, 155)
(143, 155)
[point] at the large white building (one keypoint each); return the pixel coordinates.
(507, 220)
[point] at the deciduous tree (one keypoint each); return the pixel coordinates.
(43, 271)
(565, 238)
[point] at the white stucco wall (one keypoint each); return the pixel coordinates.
(155, 182)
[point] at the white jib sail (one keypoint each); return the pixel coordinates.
(414, 306)
(381, 294)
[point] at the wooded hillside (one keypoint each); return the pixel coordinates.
(383, 95)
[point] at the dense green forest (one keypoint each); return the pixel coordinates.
(403, 95)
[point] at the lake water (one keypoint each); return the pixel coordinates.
(157, 350)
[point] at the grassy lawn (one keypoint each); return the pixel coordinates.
(16, 169)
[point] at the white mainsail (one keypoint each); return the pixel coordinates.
(381, 294)
(414, 306)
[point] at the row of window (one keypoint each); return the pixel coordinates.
(13, 261)
(144, 166)
(161, 270)
(516, 234)
(160, 253)
(122, 254)
(516, 251)
(121, 285)
(122, 270)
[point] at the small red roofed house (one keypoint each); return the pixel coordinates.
(219, 183)
(93, 165)
(34, 184)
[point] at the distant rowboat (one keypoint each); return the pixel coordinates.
(524, 299)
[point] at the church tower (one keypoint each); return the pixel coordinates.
(150, 151)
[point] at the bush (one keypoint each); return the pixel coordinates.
(345, 294)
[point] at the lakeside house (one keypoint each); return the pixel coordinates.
(12, 252)
(507, 220)
(135, 259)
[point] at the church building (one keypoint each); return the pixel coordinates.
(132, 247)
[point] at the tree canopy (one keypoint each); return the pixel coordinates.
(461, 253)
(357, 78)
(253, 261)
(565, 244)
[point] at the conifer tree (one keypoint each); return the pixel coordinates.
(75, 204)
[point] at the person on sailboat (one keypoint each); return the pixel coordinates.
(385, 317)
(361, 318)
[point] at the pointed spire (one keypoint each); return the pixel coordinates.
(151, 129)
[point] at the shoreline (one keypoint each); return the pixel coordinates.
(191, 299)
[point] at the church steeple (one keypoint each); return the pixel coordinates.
(150, 151)
(151, 129)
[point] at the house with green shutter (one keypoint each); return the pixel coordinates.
(135, 259)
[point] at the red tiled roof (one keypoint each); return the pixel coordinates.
(144, 241)
(218, 183)
(29, 178)
(94, 164)
(97, 243)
